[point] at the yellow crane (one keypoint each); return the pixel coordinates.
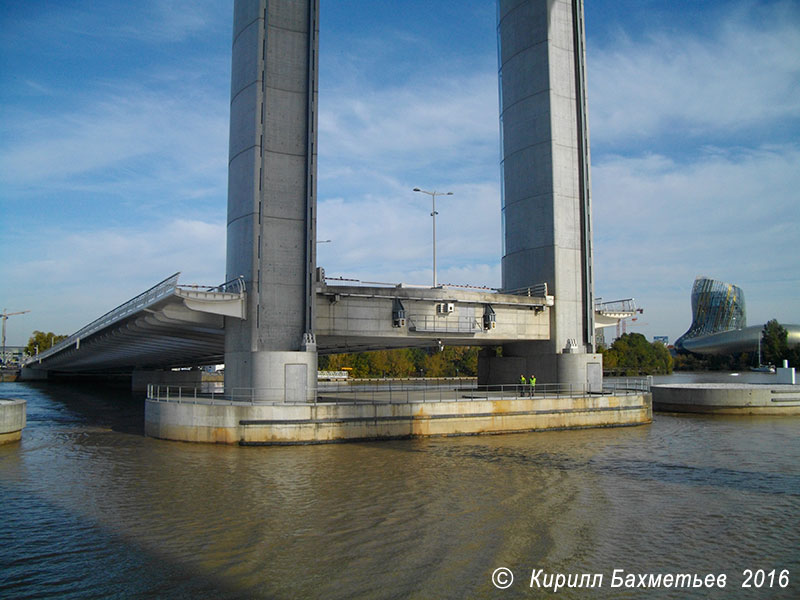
(5, 316)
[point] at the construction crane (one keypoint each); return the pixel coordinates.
(5, 316)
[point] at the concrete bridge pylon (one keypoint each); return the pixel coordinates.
(272, 198)
(546, 200)
(272, 193)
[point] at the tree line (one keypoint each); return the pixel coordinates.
(775, 346)
(453, 361)
(42, 341)
(631, 354)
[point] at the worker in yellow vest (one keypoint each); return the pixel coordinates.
(522, 384)
(532, 381)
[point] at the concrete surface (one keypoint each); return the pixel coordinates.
(728, 398)
(272, 195)
(302, 423)
(545, 168)
(12, 420)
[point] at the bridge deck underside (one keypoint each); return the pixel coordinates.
(166, 335)
(186, 330)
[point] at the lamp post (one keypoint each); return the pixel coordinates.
(433, 195)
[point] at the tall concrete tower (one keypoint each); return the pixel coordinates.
(546, 188)
(272, 198)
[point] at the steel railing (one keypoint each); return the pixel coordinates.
(162, 289)
(143, 300)
(232, 286)
(443, 324)
(626, 305)
(536, 291)
(410, 392)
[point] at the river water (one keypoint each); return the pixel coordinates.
(90, 508)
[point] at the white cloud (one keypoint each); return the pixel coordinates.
(446, 123)
(131, 141)
(145, 21)
(705, 176)
(377, 238)
(741, 76)
(376, 144)
(70, 278)
(731, 215)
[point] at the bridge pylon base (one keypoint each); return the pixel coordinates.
(273, 376)
(579, 370)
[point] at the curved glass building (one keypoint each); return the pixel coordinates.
(719, 321)
(716, 307)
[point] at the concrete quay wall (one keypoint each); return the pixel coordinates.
(267, 424)
(12, 420)
(728, 398)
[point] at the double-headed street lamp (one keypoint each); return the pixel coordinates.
(433, 195)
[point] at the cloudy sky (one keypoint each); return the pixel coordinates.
(113, 149)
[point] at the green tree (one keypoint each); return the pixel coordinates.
(406, 362)
(400, 363)
(466, 362)
(417, 357)
(794, 357)
(632, 354)
(662, 358)
(435, 364)
(44, 341)
(774, 347)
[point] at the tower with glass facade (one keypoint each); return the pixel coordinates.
(716, 307)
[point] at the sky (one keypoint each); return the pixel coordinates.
(114, 147)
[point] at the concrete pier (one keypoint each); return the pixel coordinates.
(12, 420)
(204, 420)
(728, 398)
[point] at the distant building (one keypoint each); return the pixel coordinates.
(13, 355)
(664, 339)
(719, 321)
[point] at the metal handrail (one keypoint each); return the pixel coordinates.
(443, 324)
(392, 393)
(626, 305)
(537, 291)
(143, 300)
(232, 286)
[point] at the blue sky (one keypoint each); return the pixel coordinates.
(113, 150)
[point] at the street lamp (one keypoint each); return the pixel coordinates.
(433, 195)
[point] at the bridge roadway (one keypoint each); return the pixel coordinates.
(173, 326)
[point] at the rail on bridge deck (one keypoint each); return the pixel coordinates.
(612, 312)
(167, 326)
(174, 326)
